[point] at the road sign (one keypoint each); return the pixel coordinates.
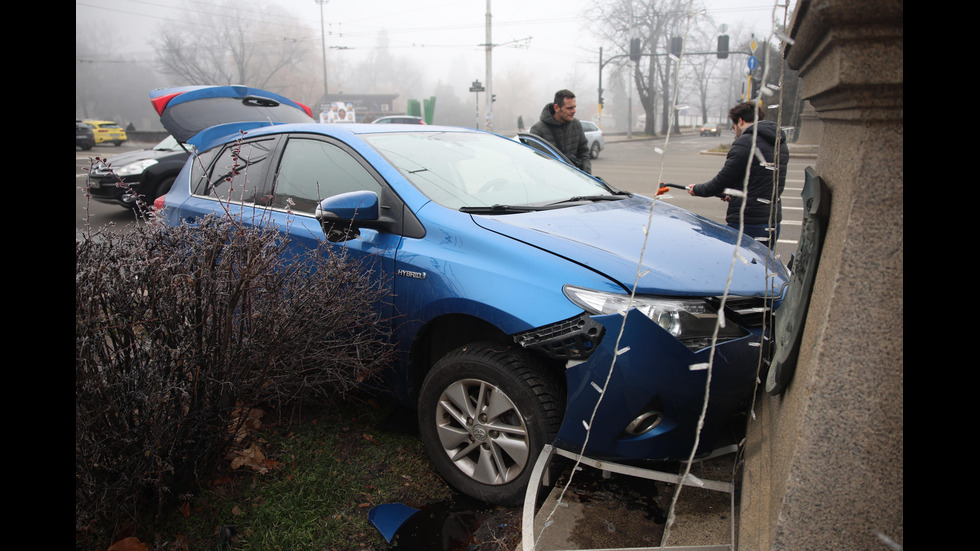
(753, 62)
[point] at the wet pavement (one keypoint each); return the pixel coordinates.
(594, 511)
(623, 511)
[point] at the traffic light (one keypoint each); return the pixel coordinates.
(722, 46)
(635, 49)
(676, 45)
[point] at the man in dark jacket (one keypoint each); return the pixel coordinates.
(559, 126)
(760, 197)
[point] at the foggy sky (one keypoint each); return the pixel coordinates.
(549, 40)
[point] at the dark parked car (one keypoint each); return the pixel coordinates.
(84, 136)
(520, 289)
(709, 130)
(138, 177)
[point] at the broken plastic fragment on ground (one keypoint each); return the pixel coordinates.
(389, 517)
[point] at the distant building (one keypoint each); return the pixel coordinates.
(367, 107)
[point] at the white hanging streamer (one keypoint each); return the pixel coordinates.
(767, 90)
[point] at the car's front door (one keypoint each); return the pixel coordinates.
(278, 180)
(312, 168)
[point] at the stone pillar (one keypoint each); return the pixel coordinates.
(811, 129)
(823, 460)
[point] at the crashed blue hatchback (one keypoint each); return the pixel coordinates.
(523, 288)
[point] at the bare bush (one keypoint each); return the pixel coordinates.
(174, 327)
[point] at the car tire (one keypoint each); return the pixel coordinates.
(486, 448)
(594, 150)
(162, 188)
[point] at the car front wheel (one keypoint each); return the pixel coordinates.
(485, 412)
(162, 188)
(594, 150)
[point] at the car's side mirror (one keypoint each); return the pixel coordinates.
(341, 215)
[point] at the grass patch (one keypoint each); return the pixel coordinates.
(326, 471)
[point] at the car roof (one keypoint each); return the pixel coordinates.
(341, 130)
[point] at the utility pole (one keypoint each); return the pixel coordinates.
(489, 94)
(323, 45)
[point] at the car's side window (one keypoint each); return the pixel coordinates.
(312, 170)
(238, 173)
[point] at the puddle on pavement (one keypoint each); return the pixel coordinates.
(460, 524)
(637, 494)
(465, 524)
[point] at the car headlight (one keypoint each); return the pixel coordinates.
(690, 320)
(132, 169)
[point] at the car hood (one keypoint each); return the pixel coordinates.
(685, 255)
(143, 154)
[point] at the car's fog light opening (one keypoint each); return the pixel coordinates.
(644, 423)
(572, 339)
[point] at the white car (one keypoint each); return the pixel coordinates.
(399, 119)
(596, 141)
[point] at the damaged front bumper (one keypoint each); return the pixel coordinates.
(649, 387)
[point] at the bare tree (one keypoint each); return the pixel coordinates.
(699, 69)
(244, 43)
(653, 22)
(384, 72)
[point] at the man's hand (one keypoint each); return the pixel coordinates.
(690, 189)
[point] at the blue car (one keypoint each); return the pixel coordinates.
(522, 289)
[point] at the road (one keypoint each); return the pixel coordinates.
(634, 165)
(92, 214)
(638, 165)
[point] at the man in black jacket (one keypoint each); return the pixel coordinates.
(762, 204)
(559, 126)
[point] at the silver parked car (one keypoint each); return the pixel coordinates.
(596, 141)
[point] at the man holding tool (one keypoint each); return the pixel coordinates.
(762, 204)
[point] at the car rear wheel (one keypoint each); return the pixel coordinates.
(594, 150)
(485, 412)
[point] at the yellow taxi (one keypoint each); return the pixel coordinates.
(107, 131)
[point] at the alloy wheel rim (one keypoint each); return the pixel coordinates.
(482, 431)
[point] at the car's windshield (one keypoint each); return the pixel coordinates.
(169, 144)
(461, 169)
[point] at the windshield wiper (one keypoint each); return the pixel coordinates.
(499, 209)
(582, 198)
